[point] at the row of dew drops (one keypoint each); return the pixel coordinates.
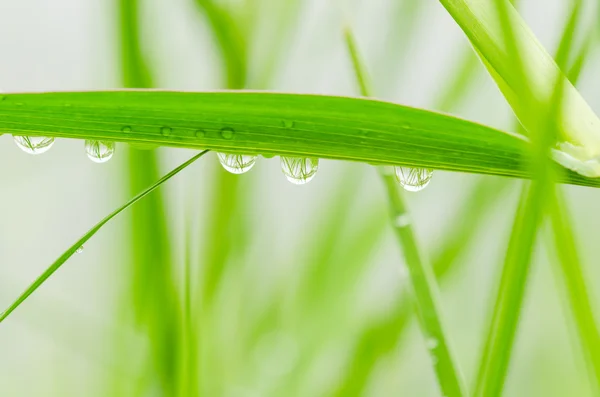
(297, 170)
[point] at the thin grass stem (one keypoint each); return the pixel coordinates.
(423, 283)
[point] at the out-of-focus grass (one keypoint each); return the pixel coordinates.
(151, 277)
(202, 339)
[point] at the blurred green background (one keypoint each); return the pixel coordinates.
(247, 285)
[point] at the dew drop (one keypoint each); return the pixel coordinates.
(79, 250)
(227, 133)
(299, 170)
(165, 131)
(432, 343)
(413, 179)
(237, 163)
(200, 133)
(288, 123)
(99, 151)
(34, 144)
(126, 129)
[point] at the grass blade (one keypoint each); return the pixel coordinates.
(484, 24)
(69, 252)
(501, 334)
(498, 347)
(277, 124)
(574, 279)
(230, 41)
(151, 278)
(423, 283)
(424, 289)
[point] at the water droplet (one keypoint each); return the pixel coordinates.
(34, 144)
(402, 220)
(237, 163)
(200, 133)
(79, 250)
(288, 123)
(166, 131)
(299, 170)
(227, 133)
(432, 343)
(99, 151)
(126, 129)
(413, 179)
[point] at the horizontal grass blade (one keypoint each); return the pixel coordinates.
(277, 124)
(73, 249)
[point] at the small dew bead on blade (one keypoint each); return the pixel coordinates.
(413, 179)
(34, 144)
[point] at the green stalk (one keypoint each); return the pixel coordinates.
(501, 334)
(73, 249)
(230, 41)
(576, 288)
(498, 347)
(152, 284)
(423, 283)
(568, 258)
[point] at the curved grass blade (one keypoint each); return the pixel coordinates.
(578, 129)
(277, 124)
(423, 283)
(69, 252)
(534, 200)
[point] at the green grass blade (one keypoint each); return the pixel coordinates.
(359, 68)
(501, 334)
(424, 289)
(135, 70)
(71, 250)
(152, 284)
(568, 258)
(230, 41)
(423, 283)
(578, 131)
(577, 291)
(277, 124)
